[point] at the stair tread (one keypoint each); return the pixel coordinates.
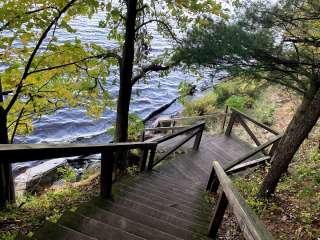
(140, 208)
(176, 203)
(170, 208)
(124, 223)
(94, 228)
(168, 194)
(56, 231)
(171, 225)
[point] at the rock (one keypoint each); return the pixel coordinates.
(38, 176)
(163, 121)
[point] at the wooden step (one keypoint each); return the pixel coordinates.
(169, 217)
(124, 223)
(172, 226)
(168, 207)
(56, 231)
(178, 204)
(196, 203)
(94, 228)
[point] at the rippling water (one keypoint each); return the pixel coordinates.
(73, 125)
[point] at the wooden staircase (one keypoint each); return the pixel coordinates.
(168, 203)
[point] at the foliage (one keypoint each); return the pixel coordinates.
(33, 210)
(42, 74)
(67, 173)
(135, 128)
(264, 107)
(239, 102)
(133, 170)
(236, 92)
(297, 202)
(276, 42)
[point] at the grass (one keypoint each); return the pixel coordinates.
(31, 211)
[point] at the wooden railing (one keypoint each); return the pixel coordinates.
(241, 164)
(251, 227)
(194, 131)
(237, 116)
(174, 123)
(14, 153)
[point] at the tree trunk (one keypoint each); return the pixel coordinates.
(298, 130)
(126, 72)
(7, 194)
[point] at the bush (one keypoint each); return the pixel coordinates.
(238, 93)
(239, 102)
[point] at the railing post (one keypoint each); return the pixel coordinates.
(143, 161)
(213, 182)
(198, 139)
(151, 159)
(225, 118)
(218, 215)
(106, 177)
(231, 123)
(7, 192)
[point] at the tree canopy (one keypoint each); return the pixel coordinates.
(279, 43)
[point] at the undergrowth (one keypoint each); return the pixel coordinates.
(31, 211)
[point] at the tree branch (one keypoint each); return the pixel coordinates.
(103, 56)
(145, 70)
(168, 28)
(34, 52)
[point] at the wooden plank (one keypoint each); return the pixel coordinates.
(230, 124)
(194, 117)
(219, 211)
(175, 147)
(143, 162)
(250, 164)
(161, 129)
(251, 134)
(253, 152)
(107, 165)
(198, 139)
(166, 138)
(256, 122)
(250, 225)
(29, 152)
(225, 117)
(151, 159)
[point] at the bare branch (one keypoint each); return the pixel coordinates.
(103, 56)
(145, 70)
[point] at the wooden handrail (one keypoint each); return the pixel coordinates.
(194, 117)
(243, 115)
(213, 183)
(251, 227)
(160, 129)
(14, 153)
(173, 135)
(197, 131)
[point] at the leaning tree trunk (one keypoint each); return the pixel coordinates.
(7, 194)
(126, 72)
(298, 130)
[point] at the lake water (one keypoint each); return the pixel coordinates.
(73, 125)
